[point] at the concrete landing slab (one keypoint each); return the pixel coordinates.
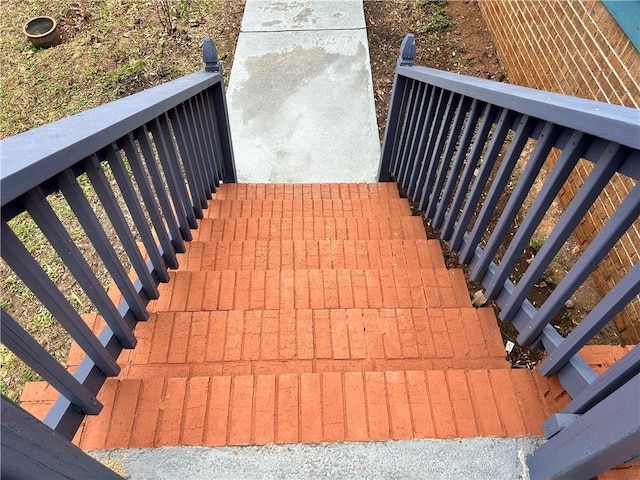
(278, 15)
(300, 101)
(472, 459)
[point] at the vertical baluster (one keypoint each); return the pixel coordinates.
(505, 121)
(534, 164)
(185, 145)
(154, 172)
(460, 114)
(408, 177)
(444, 121)
(21, 261)
(497, 188)
(613, 378)
(619, 296)
(620, 221)
(414, 117)
(224, 131)
(219, 165)
(203, 134)
(175, 183)
(210, 166)
(488, 116)
(139, 219)
(209, 146)
(49, 223)
(187, 161)
(458, 162)
(388, 154)
(434, 96)
(554, 181)
(168, 250)
(16, 339)
(604, 169)
(429, 144)
(96, 234)
(114, 212)
(404, 134)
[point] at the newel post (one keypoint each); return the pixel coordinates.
(405, 59)
(212, 64)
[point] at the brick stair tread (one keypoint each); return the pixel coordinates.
(317, 407)
(301, 207)
(311, 254)
(310, 228)
(312, 288)
(242, 191)
(222, 342)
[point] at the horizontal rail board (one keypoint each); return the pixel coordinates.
(610, 122)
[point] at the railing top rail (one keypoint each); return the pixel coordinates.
(610, 122)
(32, 157)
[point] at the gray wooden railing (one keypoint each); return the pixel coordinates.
(167, 148)
(452, 142)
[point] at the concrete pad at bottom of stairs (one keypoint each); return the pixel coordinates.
(473, 458)
(301, 108)
(278, 15)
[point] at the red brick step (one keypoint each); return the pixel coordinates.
(312, 288)
(242, 191)
(312, 254)
(372, 207)
(309, 228)
(316, 407)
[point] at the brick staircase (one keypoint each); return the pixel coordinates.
(311, 313)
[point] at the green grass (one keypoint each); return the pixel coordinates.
(437, 20)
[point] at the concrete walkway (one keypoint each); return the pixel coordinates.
(300, 94)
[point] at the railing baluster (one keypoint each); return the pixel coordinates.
(556, 178)
(393, 130)
(168, 250)
(613, 378)
(224, 130)
(200, 184)
(503, 126)
(534, 164)
(179, 197)
(618, 224)
(44, 216)
(114, 212)
(21, 261)
(137, 215)
(212, 170)
(425, 132)
(458, 162)
(16, 339)
(401, 158)
(142, 136)
(210, 159)
(497, 188)
(436, 153)
(409, 175)
(582, 201)
(429, 160)
(461, 111)
(480, 138)
(203, 139)
(217, 142)
(413, 119)
(609, 306)
(92, 227)
(191, 189)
